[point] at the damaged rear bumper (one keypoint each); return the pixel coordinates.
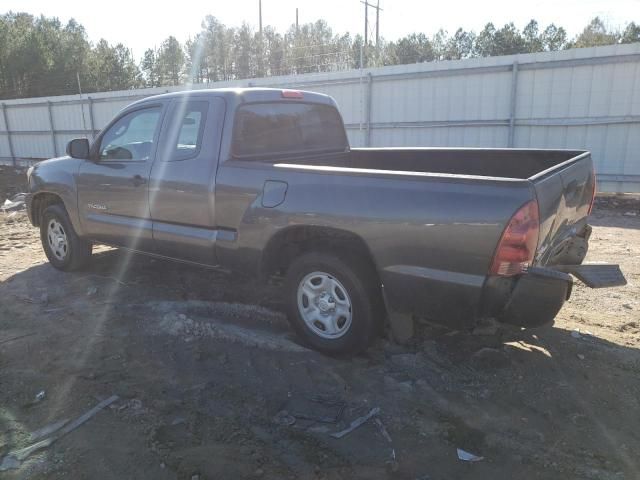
(535, 298)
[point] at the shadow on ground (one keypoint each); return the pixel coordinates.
(205, 366)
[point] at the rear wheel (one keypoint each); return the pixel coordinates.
(331, 303)
(64, 248)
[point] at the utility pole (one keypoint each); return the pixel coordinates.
(366, 21)
(84, 122)
(79, 87)
(296, 19)
(260, 15)
(378, 24)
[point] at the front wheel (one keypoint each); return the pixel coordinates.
(331, 303)
(64, 248)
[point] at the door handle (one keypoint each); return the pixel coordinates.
(138, 180)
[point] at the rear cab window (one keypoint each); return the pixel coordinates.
(287, 128)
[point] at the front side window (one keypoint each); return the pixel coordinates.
(132, 136)
(287, 128)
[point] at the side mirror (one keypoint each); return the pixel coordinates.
(78, 148)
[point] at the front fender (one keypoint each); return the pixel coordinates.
(57, 177)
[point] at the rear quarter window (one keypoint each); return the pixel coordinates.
(287, 128)
(190, 118)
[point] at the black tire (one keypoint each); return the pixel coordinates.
(77, 251)
(359, 282)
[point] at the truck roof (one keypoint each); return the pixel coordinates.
(249, 94)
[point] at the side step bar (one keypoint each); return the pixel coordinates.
(595, 275)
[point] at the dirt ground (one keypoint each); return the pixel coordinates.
(212, 385)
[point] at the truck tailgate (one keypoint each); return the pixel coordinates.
(564, 194)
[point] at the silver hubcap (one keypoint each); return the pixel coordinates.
(324, 305)
(57, 238)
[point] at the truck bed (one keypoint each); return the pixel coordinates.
(496, 163)
(561, 180)
(452, 203)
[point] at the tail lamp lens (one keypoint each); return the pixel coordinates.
(518, 243)
(593, 193)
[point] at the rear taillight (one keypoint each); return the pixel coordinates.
(518, 243)
(593, 193)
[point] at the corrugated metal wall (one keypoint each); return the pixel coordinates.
(581, 98)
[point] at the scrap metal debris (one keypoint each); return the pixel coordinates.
(468, 457)
(318, 408)
(15, 458)
(383, 430)
(47, 430)
(357, 423)
(17, 202)
(393, 462)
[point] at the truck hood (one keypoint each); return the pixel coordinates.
(59, 162)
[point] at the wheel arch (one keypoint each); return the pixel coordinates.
(289, 243)
(285, 245)
(40, 202)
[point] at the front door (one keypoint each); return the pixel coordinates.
(113, 186)
(182, 182)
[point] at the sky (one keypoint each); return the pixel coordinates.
(141, 25)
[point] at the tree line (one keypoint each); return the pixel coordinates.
(39, 56)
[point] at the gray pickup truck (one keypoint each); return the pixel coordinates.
(263, 182)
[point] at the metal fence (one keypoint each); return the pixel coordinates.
(581, 98)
